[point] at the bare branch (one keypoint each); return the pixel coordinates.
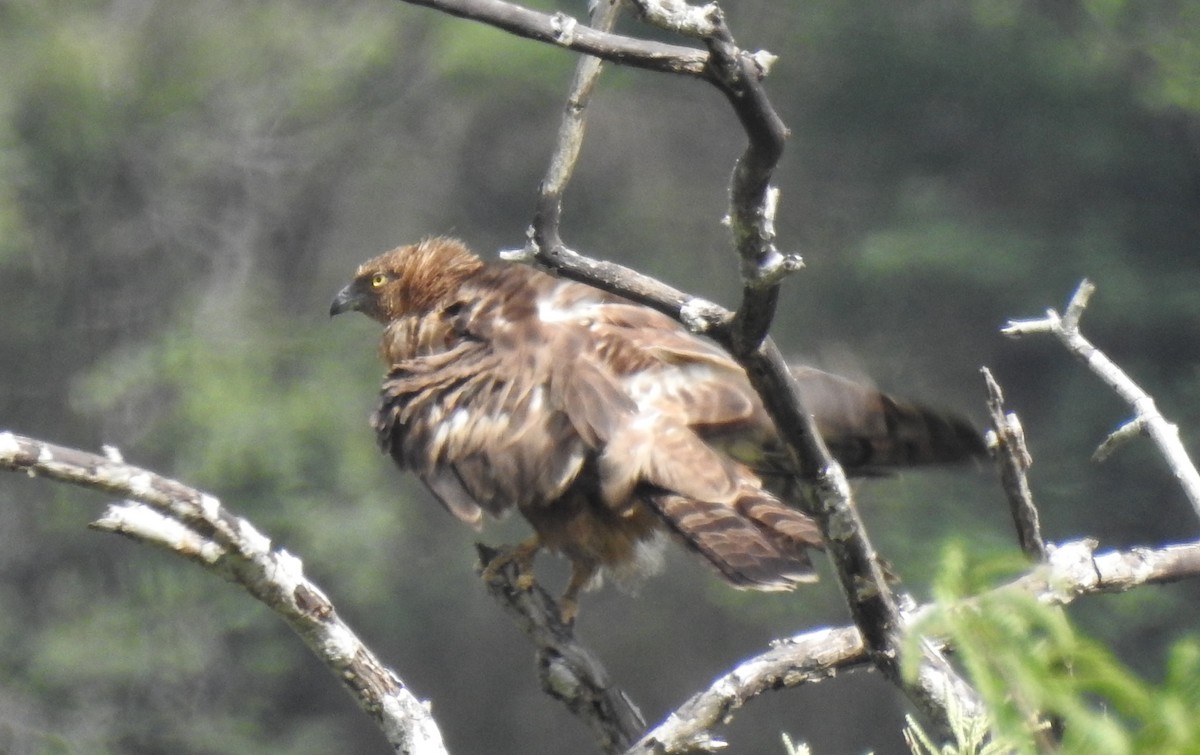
(1164, 434)
(145, 524)
(571, 129)
(171, 515)
(1132, 429)
(569, 671)
(1013, 460)
(562, 30)
(805, 658)
(1073, 570)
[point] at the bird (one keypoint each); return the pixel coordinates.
(606, 424)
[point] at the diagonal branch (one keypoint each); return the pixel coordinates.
(810, 657)
(193, 524)
(569, 672)
(1146, 414)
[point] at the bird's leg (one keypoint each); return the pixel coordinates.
(520, 556)
(582, 573)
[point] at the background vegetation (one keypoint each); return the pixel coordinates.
(183, 187)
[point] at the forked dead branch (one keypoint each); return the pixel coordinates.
(1147, 418)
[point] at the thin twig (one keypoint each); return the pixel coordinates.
(170, 515)
(1134, 428)
(1164, 434)
(1013, 460)
(574, 120)
(1073, 570)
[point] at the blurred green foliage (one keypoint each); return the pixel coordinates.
(1042, 680)
(184, 187)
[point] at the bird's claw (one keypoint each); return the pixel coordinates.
(525, 580)
(520, 556)
(568, 608)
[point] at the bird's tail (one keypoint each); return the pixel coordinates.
(758, 543)
(871, 432)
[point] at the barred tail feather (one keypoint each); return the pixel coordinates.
(789, 530)
(762, 549)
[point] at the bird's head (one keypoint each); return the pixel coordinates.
(407, 280)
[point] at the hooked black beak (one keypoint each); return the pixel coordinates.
(348, 299)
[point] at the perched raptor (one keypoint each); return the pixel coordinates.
(604, 422)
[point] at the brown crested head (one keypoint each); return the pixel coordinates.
(409, 279)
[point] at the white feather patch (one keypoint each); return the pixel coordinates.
(550, 309)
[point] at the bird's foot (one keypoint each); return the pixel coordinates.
(568, 609)
(582, 574)
(520, 556)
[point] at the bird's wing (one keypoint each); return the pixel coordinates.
(663, 366)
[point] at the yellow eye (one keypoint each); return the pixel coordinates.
(377, 280)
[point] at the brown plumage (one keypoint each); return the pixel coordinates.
(603, 422)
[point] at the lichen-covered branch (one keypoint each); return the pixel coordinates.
(170, 515)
